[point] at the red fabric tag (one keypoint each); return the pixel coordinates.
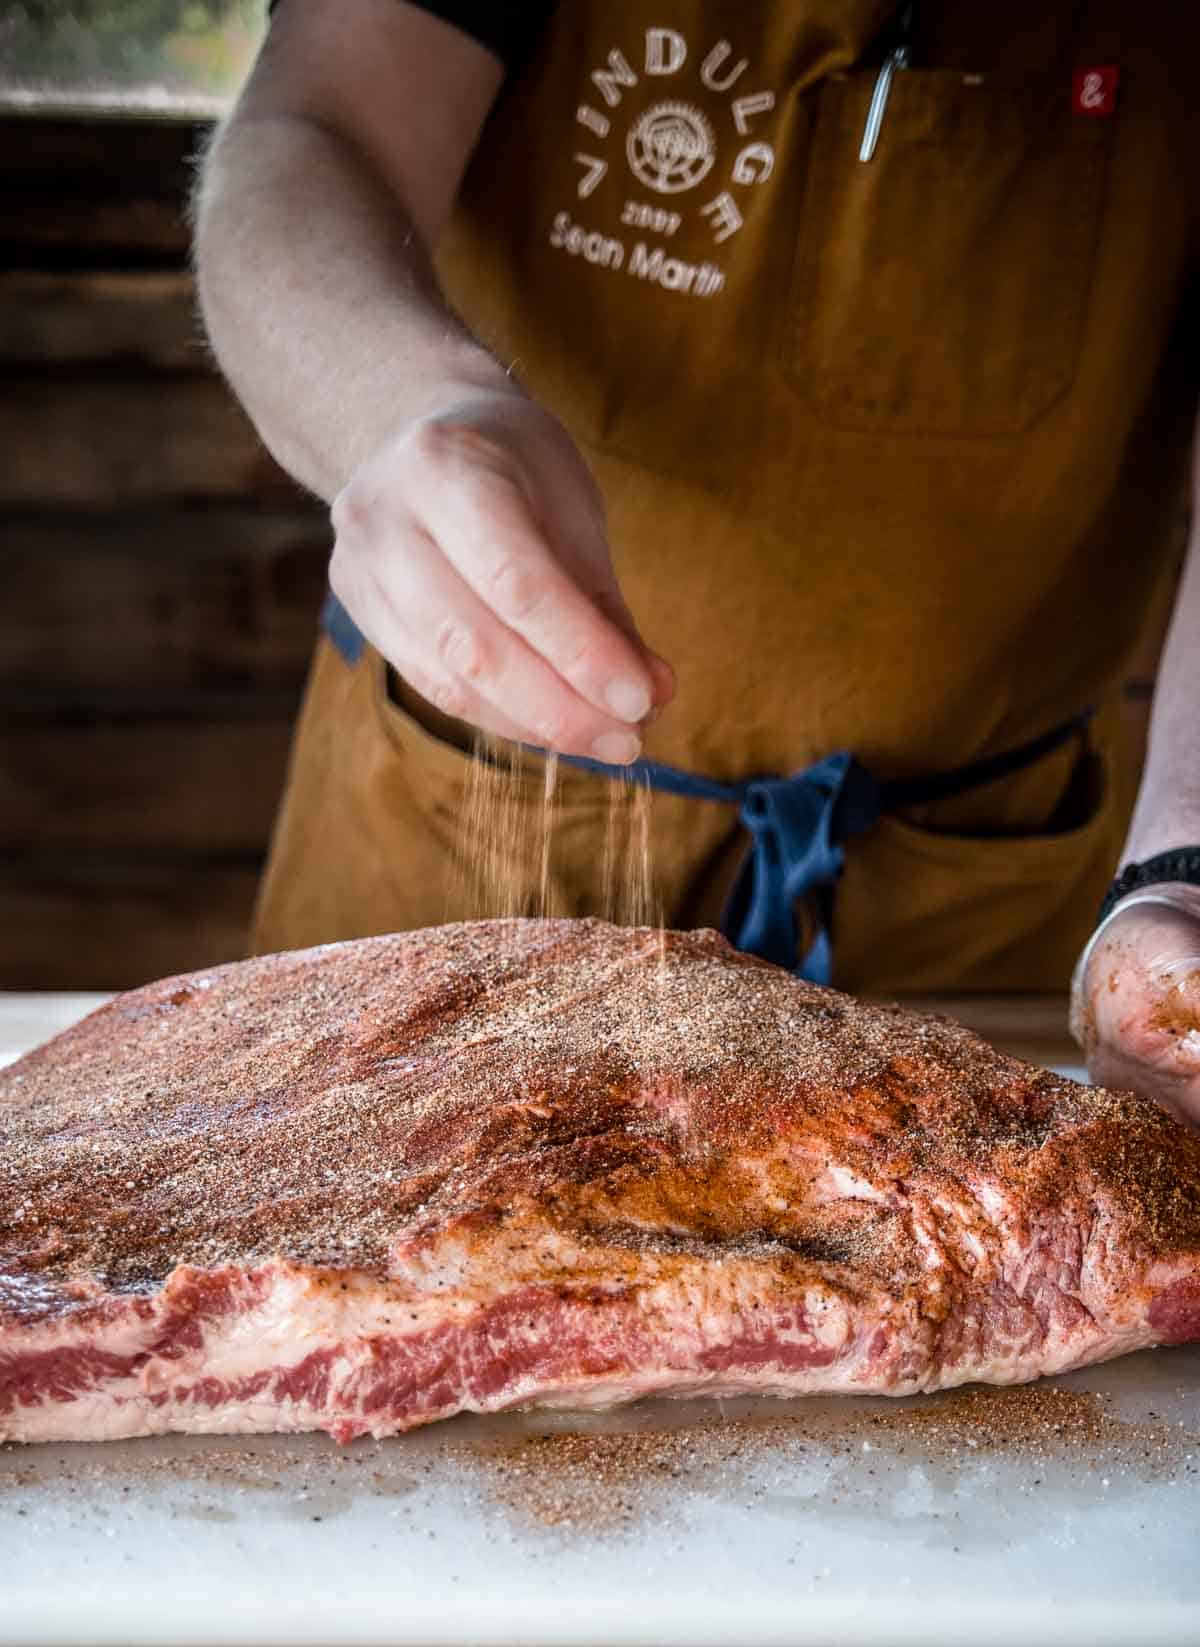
(1094, 90)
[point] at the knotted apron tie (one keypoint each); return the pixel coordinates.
(797, 825)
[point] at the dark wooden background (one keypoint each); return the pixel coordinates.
(160, 578)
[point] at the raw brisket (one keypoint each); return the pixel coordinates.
(364, 1186)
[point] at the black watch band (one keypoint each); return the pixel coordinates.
(1182, 863)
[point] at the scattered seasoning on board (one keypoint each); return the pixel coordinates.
(599, 1481)
(594, 1482)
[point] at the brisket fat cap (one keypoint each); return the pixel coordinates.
(609, 1118)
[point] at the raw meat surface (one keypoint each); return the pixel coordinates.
(364, 1186)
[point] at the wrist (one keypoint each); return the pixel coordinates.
(1175, 867)
(461, 374)
(453, 381)
(1158, 909)
(1166, 817)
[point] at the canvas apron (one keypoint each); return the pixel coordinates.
(892, 449)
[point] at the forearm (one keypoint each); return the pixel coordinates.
(319, 299)
(470, 544)
(1168, 808)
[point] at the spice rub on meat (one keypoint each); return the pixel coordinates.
(360, 1187)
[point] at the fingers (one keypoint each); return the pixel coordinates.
(573, 501)
(472, 552)
(443, 639)
(483, 522)
(1136, 1009)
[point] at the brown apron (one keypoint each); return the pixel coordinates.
(892, 448)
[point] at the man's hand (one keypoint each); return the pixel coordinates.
(470, 536)
(1135, 999)
(471, 551)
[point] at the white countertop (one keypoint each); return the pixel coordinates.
(1022, 1517)
(26, 1020)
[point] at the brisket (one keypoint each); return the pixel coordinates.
(360, 1187)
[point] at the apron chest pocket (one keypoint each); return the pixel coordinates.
(941, 286)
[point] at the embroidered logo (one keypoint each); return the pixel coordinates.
(1094, 90)
(671, 148)
(717, 130)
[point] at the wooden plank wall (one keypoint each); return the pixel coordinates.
(161, 578)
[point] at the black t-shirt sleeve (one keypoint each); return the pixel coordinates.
(510, 28)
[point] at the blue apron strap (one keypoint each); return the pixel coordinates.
(796, 826)
(342, 629)
(668, 780)
(799, 825)
(790, 821)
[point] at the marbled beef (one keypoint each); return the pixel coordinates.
(368, 1185)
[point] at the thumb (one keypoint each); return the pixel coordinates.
(570, 509)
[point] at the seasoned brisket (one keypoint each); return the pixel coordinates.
(364, 1186)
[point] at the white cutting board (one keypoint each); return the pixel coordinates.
(950, 1520)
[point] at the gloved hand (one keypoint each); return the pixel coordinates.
(1135, 997)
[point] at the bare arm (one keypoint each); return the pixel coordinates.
(471, 546)
(1136, 997)
(1168, 808)
(314, 214)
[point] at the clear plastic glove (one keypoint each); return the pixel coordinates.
(1135, 998)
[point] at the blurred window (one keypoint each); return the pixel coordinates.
(173, 57)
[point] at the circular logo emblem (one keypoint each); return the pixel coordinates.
(671, 148)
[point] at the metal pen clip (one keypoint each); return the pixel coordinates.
(898, 59)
